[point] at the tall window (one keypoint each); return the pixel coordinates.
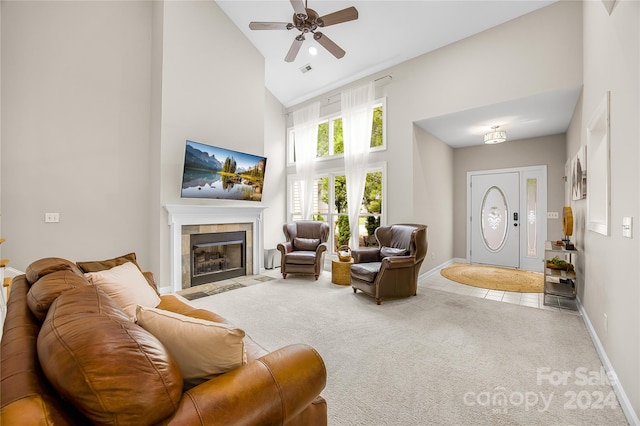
(330, 205)
(331, 140)
(330, 191)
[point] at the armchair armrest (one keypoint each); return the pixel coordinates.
(269, 390)
(395, 262)
(285, 248)
(321, 248)
(365, 255)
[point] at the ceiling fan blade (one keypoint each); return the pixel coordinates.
(270, 26)
(298, 7)
(328, 44)
(344, 15)
(294, 49)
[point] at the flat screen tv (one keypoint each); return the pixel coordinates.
(214, 172)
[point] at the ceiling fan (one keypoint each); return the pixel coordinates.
(308, 21)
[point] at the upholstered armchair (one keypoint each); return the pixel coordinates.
(303, 251)
(390, 270)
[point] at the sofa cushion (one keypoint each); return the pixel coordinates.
(306, 243)
(180, 305)
(392, 251)
(365, 271)
(126, 285)
(110, 369)
(44, 291)
(101, 265)
(203, 349)
(45, 266)
(301, 257)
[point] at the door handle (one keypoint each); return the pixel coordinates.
(515, 216)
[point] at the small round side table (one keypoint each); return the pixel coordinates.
(341, 272)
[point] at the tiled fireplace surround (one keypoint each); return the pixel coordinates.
(185, 220)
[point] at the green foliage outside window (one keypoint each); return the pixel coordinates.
(338, 137)
(371, 202)
(376, 131)
(323, 146)
(323, 139)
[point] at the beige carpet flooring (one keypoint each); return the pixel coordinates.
(495, 278)
(434, 359)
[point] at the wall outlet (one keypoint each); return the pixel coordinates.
(52, 217)
(552, 215)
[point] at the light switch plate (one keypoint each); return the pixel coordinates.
(52, 217)
(552, 215)
(627, 227)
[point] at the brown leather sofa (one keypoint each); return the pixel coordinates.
(109, 370)
(303, 251)
(392, 269)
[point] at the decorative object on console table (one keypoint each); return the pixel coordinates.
(341, 271)
(567, 227)
(559, 276)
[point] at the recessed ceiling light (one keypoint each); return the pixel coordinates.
(313, 51)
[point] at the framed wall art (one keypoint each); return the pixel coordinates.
(579, 174)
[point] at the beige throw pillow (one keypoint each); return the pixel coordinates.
(126, 285)
(203, 349)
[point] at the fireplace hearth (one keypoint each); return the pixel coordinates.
(217, 256)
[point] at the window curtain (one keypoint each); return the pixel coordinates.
(357, 122)
(305, 128)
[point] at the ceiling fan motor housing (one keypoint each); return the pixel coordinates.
(307, 23)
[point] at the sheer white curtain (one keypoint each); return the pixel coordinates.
(357, 121)
(305, 128)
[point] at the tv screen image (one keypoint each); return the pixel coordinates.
(214, 172)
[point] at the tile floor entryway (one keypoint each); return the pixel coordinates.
(533, 300)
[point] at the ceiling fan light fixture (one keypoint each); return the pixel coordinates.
(495, 136)
(313, 51)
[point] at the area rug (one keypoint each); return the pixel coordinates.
(437, 358)
(495, 278)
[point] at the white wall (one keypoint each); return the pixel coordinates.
(75, 129)
(98, 99)
(212, 92)
(276, 178)
(610, 265)
(433, 177)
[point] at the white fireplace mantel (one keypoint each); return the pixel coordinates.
(180, 214)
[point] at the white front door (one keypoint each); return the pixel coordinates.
(507, 211)
(495, 219)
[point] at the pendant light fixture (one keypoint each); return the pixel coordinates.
(495, 136)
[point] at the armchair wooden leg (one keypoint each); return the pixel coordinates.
(378, 301)
(355, 290)
(316, 277)
(284, 276)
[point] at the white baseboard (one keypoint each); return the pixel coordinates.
(436, 270)
(627, 408)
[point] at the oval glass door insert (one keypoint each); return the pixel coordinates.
(494, 219)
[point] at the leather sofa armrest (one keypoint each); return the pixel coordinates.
(365, 255)
(270, 390)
